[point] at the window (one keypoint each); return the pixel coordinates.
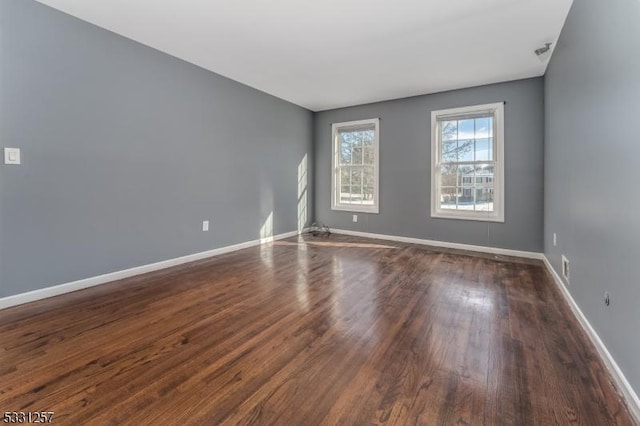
(467, 163)
(354, 180)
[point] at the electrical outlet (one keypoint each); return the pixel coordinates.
(205, 225)
(12, 156)
(355, 217)
(566, 268)
(555, 239)
(607, 299)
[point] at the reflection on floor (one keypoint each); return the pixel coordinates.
(332, 330)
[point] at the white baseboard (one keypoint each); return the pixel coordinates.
(622, 384)
(56, 290)
(434, 243)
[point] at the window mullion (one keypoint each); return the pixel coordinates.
(351, 139)
(481, 128)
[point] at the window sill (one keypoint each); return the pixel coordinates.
(463, 216)
(357, 209)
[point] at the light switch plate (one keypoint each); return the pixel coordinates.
(12, 156)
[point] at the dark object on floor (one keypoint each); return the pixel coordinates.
(319, 228)
(415, 334)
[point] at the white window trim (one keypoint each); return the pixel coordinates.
(498, 178)
(335, 205)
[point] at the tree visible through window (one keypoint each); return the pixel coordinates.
(467, 163)
(355, 161)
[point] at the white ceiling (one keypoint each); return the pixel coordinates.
(324, 54)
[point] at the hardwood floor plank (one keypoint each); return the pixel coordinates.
(312, 330)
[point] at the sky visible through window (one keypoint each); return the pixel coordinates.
(467, 140)
(467, 164)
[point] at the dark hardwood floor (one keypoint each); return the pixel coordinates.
(325, 330)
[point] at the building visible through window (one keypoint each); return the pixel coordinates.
(467, 163)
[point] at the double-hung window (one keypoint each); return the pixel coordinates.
(467, 163)
(354, 181)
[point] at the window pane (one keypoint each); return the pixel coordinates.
(466, 129)
(356, 195)
(369, 155)
(485, 170)
(450, 151)
(356, 177)
(483, 127)
(346, 146)
(357, 155)
(357, 148)
(484, 150)
(448, 198)
(465, 150)
(345, 154)
(368, 195)
(344, 176)
(368, 176)
(449, 175)
(368, 137)
(449, 130)
(484, 199)
(465, 198)
(351, 147)
(345, 194)
(466, 174)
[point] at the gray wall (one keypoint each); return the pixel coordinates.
(405, 161)
(126, 150)
(592, 157)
